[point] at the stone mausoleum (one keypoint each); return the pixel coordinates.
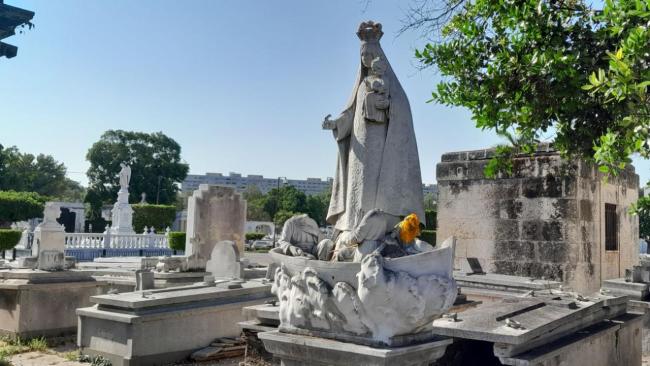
(553, 219)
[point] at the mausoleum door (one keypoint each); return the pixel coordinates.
(68, 219)
(610, 245)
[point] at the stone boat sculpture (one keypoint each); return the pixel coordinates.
(374, 282)
(380, 301)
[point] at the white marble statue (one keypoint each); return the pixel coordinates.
(125, 176)
(122, 213)
(302, 237)
(380, 282)
(378, 165)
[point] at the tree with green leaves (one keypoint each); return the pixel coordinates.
(154, 158)
(158, 217)
(20, 206)
(642, 209)
(73, 192)
(286, 198)
(41, 173)
(430, 202)
(282, 216)
(316, 206)
(545, 69)
(255, 201)
(644, 220)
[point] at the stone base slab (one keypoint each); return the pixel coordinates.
(395, 341)
(615, 342)
(299, 350)
(163, 326)
(123, 280)
(43, 305)
(642, 307)
(30, 276)
(620, 287)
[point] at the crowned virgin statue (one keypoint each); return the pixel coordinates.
(378, 168)
(388, 283)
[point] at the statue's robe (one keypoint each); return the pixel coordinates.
(378, 164)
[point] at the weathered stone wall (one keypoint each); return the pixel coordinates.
(214, 214)
(545, 221)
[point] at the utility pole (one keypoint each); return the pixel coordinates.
(284, 179)
(158, 190)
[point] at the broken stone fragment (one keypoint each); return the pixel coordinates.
(206, 353)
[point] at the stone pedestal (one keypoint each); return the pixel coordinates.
(49, 244)
(48, 237)
(164, 326)
(122, 215)
(298, 350)
(36, 303)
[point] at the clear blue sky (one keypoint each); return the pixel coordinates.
(242, 85)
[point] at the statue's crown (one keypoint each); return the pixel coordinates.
(370, 31)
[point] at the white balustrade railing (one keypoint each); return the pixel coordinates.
(84, 240)
(106, 240)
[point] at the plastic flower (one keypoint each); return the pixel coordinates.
(409, 228)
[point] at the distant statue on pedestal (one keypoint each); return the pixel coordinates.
(125, 177)
(122, 213)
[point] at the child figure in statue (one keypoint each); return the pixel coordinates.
(372, 234)
(376, 105)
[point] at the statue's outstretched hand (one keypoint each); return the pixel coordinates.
(329, 124)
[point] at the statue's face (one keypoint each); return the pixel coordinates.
(366, 58)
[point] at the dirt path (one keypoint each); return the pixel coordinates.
(42, 359)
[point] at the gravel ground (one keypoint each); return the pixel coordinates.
(57, 359)
(56, 356)
(53, 359)
(41, 359)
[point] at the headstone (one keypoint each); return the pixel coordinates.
(224, 261)
(144, 280)
(49, 235)
(122, 213)
(214, 214)
(49, 242)
(51, 260)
